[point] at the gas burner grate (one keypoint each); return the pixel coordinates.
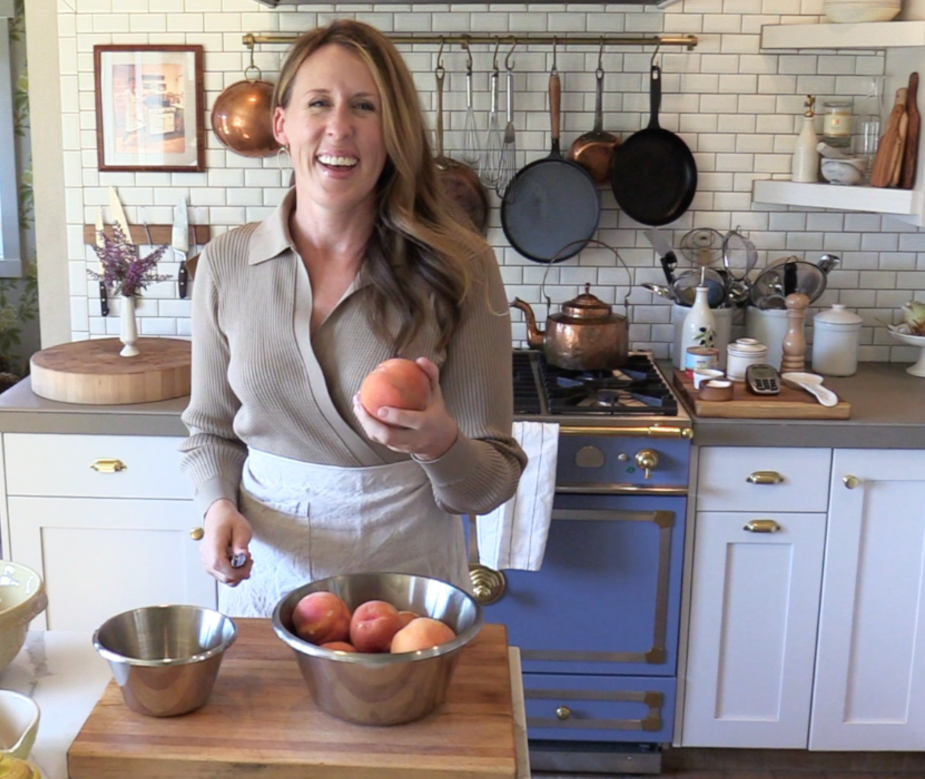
(526, 394)
(635, 388)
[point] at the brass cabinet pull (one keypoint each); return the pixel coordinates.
(764, 477)
(197, 533)
(563, 712)
(488, 585)
(851, 482)
(108, 466)
(761, 526)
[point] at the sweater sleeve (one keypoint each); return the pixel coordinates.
(482, 469)
(213, 454)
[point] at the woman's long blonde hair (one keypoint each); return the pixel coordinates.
(415, 220)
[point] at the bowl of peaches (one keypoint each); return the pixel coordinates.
(377, 648)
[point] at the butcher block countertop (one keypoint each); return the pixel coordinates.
(887, 412)
(66, 677)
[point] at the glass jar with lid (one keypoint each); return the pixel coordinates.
(837, 122)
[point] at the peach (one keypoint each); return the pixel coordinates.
(397, 383)
(339, 646)
(372, 626)
(407, 616)
(321, 617)
(421, 633)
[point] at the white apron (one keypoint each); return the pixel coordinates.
(313, 521)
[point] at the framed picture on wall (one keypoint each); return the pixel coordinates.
(149, 108)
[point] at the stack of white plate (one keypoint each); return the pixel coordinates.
(857, 11)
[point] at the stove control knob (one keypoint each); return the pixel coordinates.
(647, 460)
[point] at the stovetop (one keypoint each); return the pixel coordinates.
(634, 391)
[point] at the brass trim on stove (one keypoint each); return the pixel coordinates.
(647, 431)
(622, 489)
(657, 654)
(651, 722)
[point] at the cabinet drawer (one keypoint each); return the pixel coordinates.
(573, 707)
(726, 475)
(62, 465)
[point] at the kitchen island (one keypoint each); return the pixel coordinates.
(62, 672)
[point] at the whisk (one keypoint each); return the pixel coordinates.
(470, 153)
(490, 163)
(509, 148)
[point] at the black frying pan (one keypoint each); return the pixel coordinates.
(653, 175)
(552, 203)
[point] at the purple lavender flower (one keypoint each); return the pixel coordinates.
(124, 272)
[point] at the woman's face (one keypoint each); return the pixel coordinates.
(333, 128)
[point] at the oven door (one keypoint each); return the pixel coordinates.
(607, 598)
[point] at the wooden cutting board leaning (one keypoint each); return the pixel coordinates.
(260, 721)
(789, 404)
(889, 152)
(911, 152)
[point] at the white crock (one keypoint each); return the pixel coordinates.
(836, 340)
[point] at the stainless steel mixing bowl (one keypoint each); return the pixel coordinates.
(382, 689)
(165, 658)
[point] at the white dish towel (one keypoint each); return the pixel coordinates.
(514, 534)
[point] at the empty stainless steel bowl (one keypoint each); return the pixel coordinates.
(382, 689)
(165, 658)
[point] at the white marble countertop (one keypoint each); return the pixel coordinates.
(63, 673)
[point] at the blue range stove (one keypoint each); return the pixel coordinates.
(598, 625)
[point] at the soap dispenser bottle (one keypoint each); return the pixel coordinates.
(805, 163)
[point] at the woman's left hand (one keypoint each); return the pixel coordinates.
(427, 434)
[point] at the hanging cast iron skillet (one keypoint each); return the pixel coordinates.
(653, 175)
(551, 203)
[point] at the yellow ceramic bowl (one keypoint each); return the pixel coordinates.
(13, 768)
(22, 599)
(19, 724)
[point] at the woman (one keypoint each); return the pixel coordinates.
(364, 260)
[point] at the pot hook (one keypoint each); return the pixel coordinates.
(252, 66)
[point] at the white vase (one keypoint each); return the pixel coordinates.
(699, 328)
(128, 329)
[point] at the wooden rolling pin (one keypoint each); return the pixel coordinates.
(911, 151)
(885, 161)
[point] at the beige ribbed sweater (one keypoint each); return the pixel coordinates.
(259, 379)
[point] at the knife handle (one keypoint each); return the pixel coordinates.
(182, 280)
(104, 300)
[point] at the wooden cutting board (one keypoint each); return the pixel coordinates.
(790, 404)
(260, 721)
(93, 372)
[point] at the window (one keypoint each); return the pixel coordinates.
(10, 260)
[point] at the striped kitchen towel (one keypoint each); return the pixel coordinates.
(514, 534)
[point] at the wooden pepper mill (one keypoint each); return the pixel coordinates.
(794, 346)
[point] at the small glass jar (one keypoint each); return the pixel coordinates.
(837, 121)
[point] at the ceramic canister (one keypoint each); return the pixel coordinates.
(768, 326)
(723, 317)
(741, 354)
(836, 339)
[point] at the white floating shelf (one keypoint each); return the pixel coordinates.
(871, 35)
(901, 203)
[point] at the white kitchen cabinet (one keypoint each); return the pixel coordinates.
(904, 44)
(754, 647)
(106, 522)
(869, 691)
(752, 629)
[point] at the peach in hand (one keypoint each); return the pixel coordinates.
(397, 383)
(421, 633)
(372, 626)
(321, 617)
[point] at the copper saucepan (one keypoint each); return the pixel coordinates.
(594, 150)
(459, 181)
(242, 118)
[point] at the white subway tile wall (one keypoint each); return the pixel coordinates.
(737, 107)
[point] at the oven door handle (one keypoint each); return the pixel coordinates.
(622, 489)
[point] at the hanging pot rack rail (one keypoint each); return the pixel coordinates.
(465, 39)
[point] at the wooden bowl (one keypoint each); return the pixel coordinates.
(716, 390)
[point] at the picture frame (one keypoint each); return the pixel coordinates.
(149, 107)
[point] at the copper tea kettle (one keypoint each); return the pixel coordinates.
(585, 335)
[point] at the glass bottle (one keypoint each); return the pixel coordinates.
(805, 163)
